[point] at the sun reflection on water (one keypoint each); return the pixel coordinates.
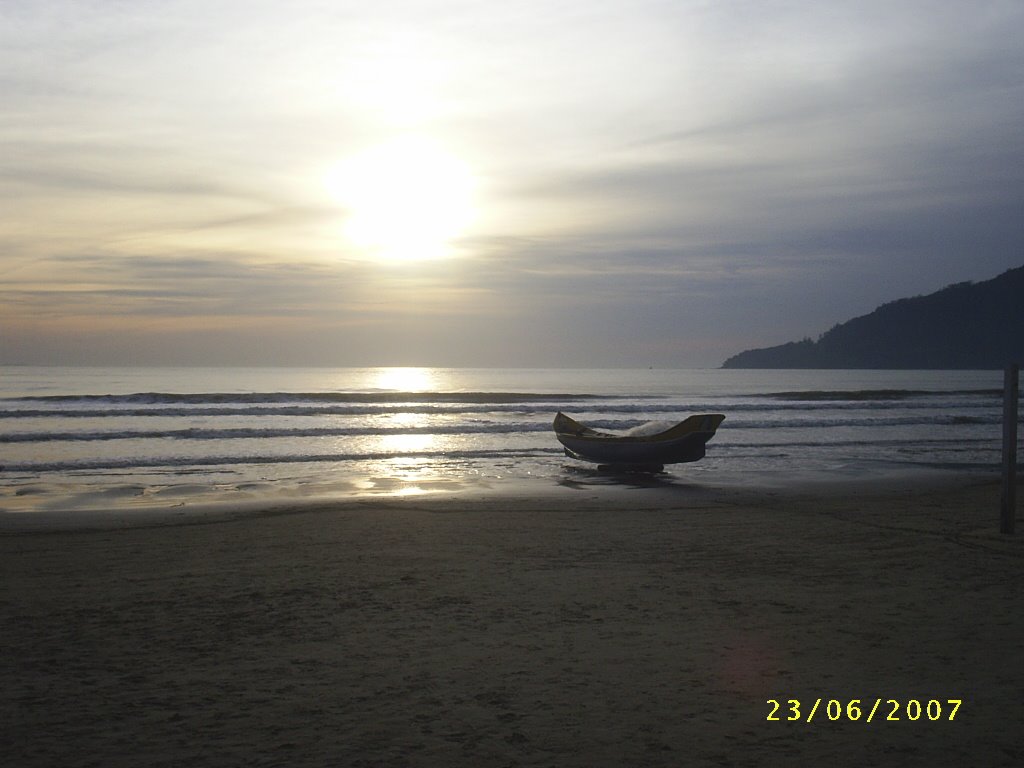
(405, 379)
(407, 447)
(406, 420)
(407, 443)
(408, 473)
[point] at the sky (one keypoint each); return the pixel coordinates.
(598, 183)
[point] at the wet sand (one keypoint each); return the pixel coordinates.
(587, 627)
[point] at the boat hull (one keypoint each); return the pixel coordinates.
(683, 443)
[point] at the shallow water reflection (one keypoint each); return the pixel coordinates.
(587, 477)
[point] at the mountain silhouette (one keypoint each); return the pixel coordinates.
(963, 326)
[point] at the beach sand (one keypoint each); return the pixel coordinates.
(589, 627)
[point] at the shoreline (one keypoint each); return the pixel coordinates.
(136, 506)
(602, 627)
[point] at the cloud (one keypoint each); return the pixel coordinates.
(653, 176)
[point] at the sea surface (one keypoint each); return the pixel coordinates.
(91, 438)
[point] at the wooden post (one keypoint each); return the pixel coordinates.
(1011, 387)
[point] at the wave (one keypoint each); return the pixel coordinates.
(877, 394)
(255, 433)
(473, 398)
(510, 427)
(200, 398)
(880, 421)
(427, 409)
(179, 463)
(494, 428)
(967, 443)
(293, 410)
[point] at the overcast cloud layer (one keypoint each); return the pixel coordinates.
(658, 183)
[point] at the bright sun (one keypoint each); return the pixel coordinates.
(406, 199)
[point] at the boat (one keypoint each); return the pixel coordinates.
(680, 443)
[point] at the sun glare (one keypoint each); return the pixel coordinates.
(405, 200)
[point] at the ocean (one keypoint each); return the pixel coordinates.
(92, 438)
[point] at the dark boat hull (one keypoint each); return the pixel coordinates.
(685, 442)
